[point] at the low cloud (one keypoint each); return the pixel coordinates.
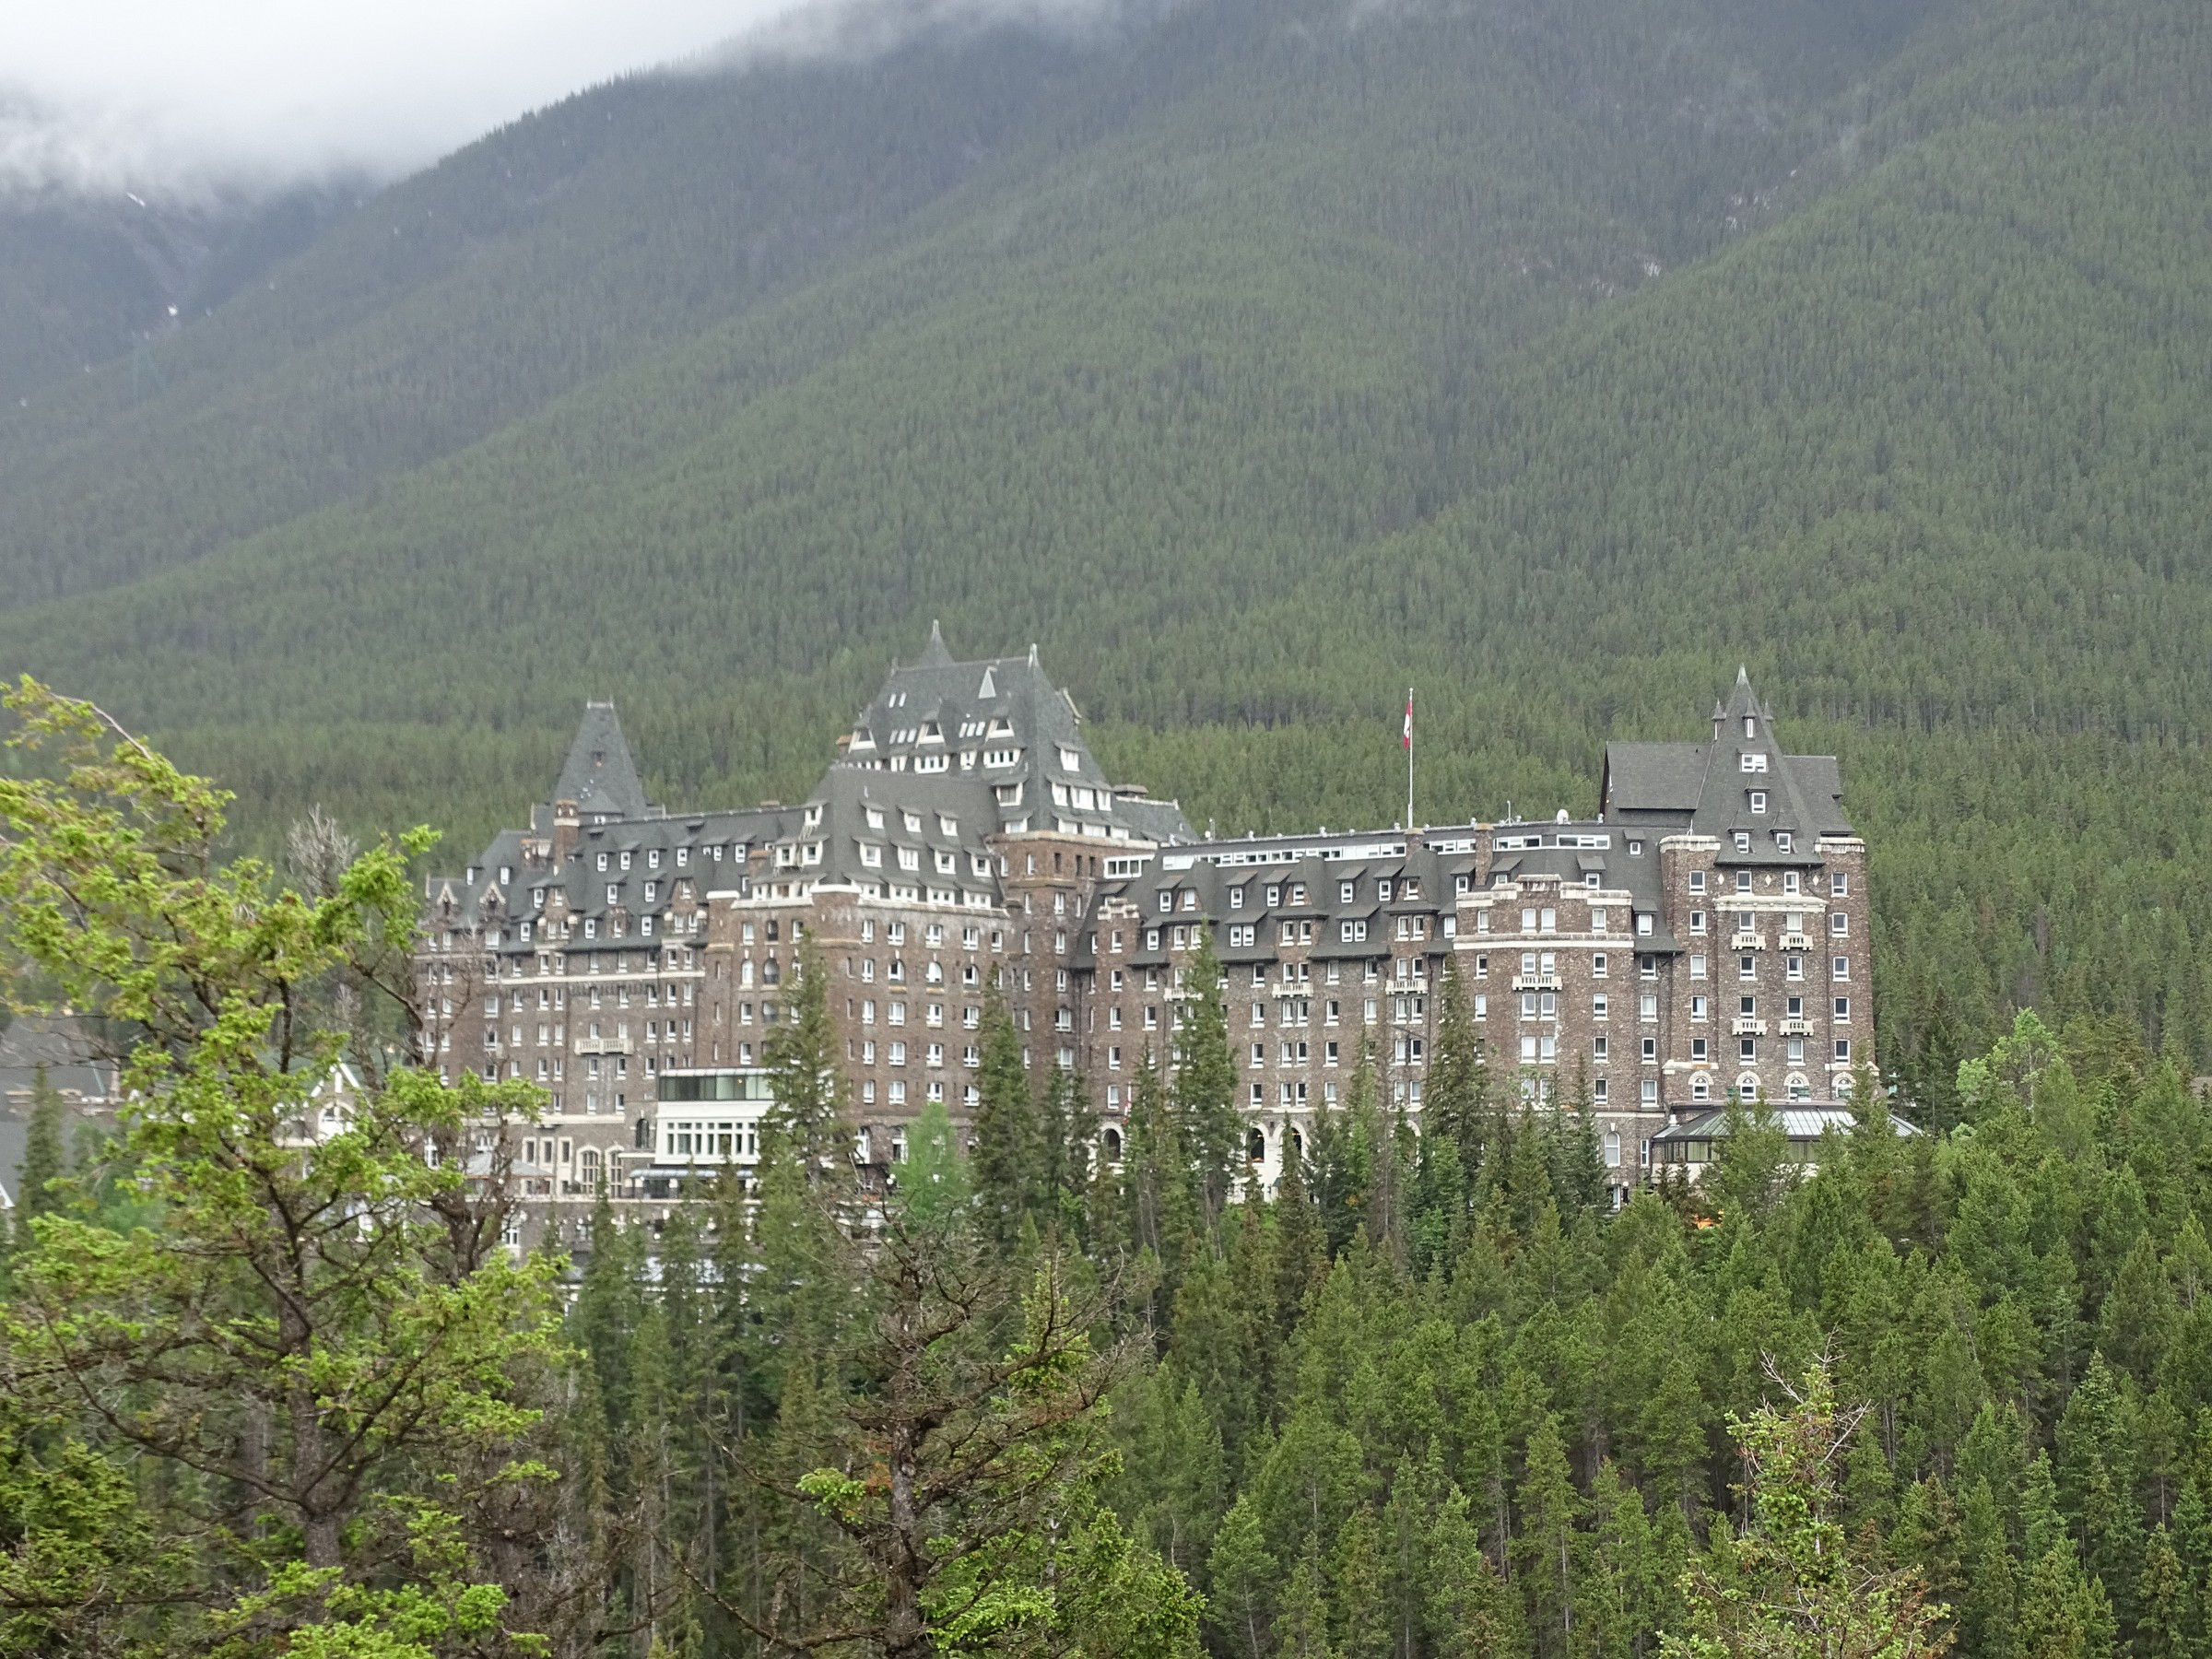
(180, 99)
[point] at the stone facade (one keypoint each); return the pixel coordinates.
(1707, 932)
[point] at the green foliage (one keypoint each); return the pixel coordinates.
(290, 1405)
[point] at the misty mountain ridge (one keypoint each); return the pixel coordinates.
(1253, 359)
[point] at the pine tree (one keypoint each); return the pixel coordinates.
(1011, 1169)
(1546, 1553)
(1242, 1574)
(805, 1075)
(1470, 1614)
(1208, 1125)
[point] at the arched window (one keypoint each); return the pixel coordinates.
(1799, 1088)
(1700, 1088)
(1112, 1142)
(588, 1163)
(1843, 1085)
(1746, 1088)
(1255, 1145)
(1294, 1144)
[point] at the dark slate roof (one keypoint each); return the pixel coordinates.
(598, 774)
(1703, 788)
(1322, 864)
(956, 717)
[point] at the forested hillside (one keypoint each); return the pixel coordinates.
(1256, 360)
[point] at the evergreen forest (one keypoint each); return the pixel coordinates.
(1255, 359)
(267, 1390)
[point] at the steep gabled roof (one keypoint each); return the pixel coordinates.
(598, 774)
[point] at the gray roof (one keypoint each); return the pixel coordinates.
(1799, 1123)
(943, 711)
(1002, 722)
(598, 774)
(1704, 789)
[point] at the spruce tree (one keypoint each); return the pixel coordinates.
(805, 1075)
(1210, 1127)
(1009, 1147)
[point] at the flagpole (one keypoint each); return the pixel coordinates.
(1409, 760)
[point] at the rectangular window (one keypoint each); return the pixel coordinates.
(1650, 1093)
(1697, 881)
(1697, 922)
(1842, 1051)
(1839, 923)
(1746, 966)
(1792, 968)
(1696, 1008)
(1842, 1007)
(1597, 1006)
(1697, 966)
(1748, 1048)
(1840, 967)
(1597, 965)
(1597, 1048)
(1758, 800)
(1528, 1050)
(1697, 1050)
(1839, 884)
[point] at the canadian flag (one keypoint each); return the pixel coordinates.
(1409, 720)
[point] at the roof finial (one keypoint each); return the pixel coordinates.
(1743, 675)
(1032, 654)
(935, 655)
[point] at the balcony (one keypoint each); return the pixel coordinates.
(1796, 941)
(1536, 981)
(1747, 941)
(602, 1045)
(1796, 1028)
(1748, 1028)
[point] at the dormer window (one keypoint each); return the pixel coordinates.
(1236, 898)
(1758, 800)
(683, 858)
(1781, 841)
(1750, 727)
(506, 875)
(1635, 849)
(653, 859)
(1190, 899)
(1070, 760)
(875, 817)
(1167, 900)
(1742, 840)
(603, 861)
(1383, 891)
(626, 861)
(1298, 892)
(914, 822)
(1275, 895)
(1755, 760)
(947, 826)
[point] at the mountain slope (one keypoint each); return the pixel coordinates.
(1552, 358)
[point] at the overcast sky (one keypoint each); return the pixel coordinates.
(160, 94)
